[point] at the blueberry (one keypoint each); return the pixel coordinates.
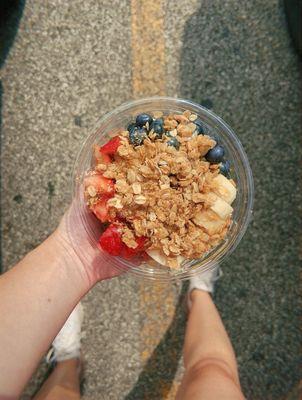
(215, 155)
(137, 136)
(173, 142)
(225, 168)
(200, 128)
(131, 127)
(142, 119)
(158, 127)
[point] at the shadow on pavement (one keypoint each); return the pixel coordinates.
(10, 14)
(237, 58)
(156, 379)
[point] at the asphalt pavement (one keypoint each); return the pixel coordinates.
(71, 62)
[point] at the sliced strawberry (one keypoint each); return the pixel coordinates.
(144, 256)
(141, 241)
(100, 183)
(112, 146)
(101, 209)
(128, 252)
(101, 158)
(111, 240)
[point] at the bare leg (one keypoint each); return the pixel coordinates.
(63, 383)
(211, 368)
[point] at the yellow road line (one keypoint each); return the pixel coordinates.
(148, 79)
(157, 304)
(148, 48)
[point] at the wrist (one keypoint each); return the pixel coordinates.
(64, 255)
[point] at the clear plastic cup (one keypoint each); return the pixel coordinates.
(108, 126)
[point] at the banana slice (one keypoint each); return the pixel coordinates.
(222, 208)
(161, 258)
(210, 221)
(224, 188)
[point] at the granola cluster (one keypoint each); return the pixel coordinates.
(160, 191)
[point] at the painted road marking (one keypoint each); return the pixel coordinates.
(148, 48)
(157, 301)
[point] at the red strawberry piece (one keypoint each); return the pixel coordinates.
(128, 252)
(101, 158)
(111, 240)
(100, 183)
(112, 146)
(144, 256)
(141, 241)
(100, 209)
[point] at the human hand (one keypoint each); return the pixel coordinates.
(93, 264)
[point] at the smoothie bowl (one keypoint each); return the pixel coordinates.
(163, 188)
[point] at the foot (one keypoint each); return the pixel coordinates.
(67, 344)
(204, 281)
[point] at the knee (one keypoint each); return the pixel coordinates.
(209, 378)
(209, 366)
